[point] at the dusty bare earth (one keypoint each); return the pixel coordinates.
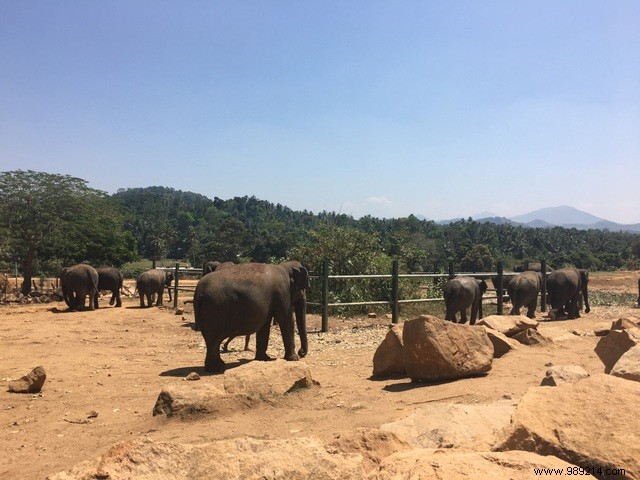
(106, 368)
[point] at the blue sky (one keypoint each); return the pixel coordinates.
(441, 109)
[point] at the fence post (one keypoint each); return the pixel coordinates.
(543, 288)
(451, 274)
(394, 291)
(175, 287)
(325, 295)
(500, 288)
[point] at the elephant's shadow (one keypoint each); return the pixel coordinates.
(408, 384)
(182, 372)
(57, 310)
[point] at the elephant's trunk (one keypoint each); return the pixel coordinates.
(585, 297)
(301, 323)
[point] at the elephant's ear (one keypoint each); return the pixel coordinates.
(584, 275)
(483, 286)
(301, 278)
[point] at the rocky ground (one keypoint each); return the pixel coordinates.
(106, 368)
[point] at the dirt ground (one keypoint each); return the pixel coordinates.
(106, 368)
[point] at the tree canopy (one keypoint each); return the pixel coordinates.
(50, 220)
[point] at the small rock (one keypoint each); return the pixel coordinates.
(31, 383)
(372, 315)
(179, 311)
(193, 376)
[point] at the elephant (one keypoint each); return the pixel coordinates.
(523, 290)
(110, 278)
(243, 299)
(461, 293)
(77, 282)
(564, 288)
(153, 282)
(210, 266)
(505, 284)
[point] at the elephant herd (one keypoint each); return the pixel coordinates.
(564, 288)
(81, 281)
(233, 300)
(229, 300)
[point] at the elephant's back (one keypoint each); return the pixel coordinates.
(563, 276)
(246, 284)
(83, 271)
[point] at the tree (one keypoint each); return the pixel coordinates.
(477, 259)
(45, 215)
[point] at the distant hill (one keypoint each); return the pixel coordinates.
(564, 216)
(559, 216)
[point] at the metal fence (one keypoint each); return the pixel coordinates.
(394, 278)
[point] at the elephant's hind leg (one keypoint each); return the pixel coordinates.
(262, 341)
(213, 362)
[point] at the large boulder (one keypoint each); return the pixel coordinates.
(628, 366)
(293, 458)
(501, 343)
(614, 345)
(388, 359)
(424, 463)
(192, 398)
(373, 444)
(625, 323)
(508, 325)
(268, 379)
(453, 425)
(559, 374)
(531, 336)
(591, 423)
(437, 350)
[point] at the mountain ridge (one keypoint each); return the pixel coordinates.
(549, 217)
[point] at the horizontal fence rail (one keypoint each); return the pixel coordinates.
(393, 278)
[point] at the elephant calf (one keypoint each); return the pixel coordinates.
(523, 291)
(461, 293)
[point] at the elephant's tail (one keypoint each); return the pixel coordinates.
(197, 300)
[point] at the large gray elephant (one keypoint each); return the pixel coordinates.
(461, 293)
(110, 278)
(243, 299)
(78, 282)
(564, 288)
(523, 290)
(151, 283)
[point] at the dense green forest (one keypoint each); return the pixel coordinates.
(184, 225)
(48, 221)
